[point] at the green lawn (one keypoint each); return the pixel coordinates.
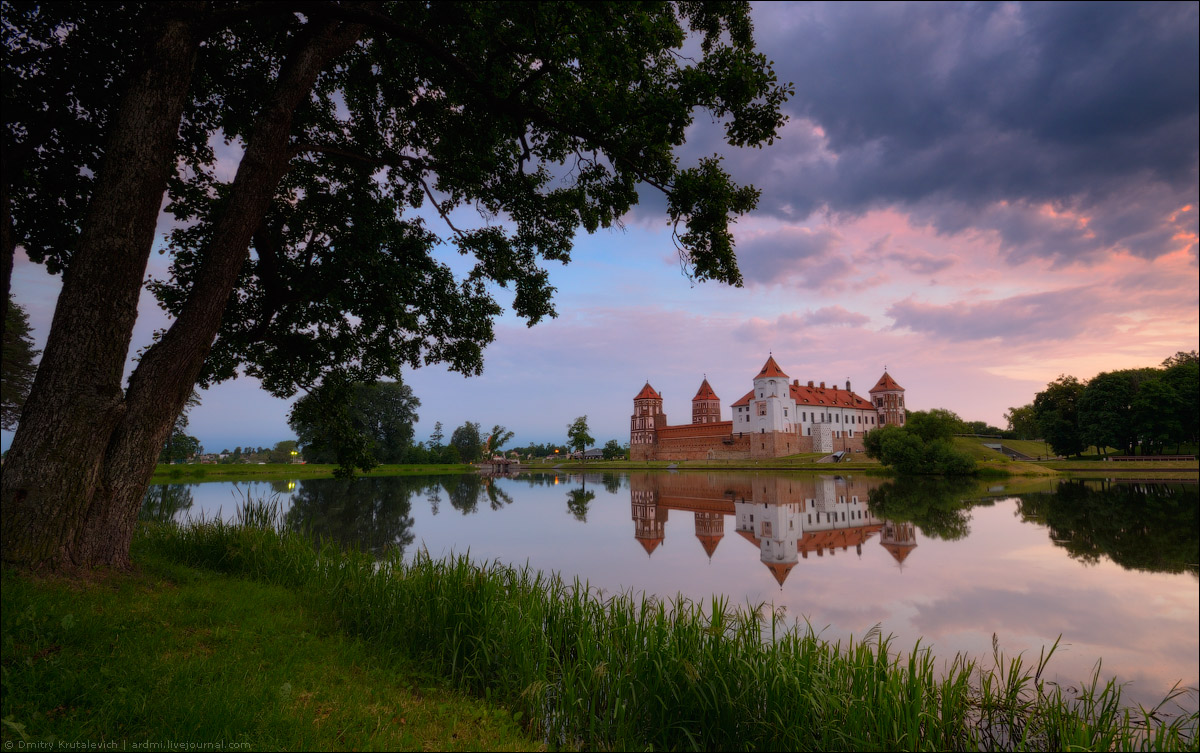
(191, 656)
(1031, 447)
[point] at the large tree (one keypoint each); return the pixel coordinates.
(349, 117)
(1057, 412)
(355, 425)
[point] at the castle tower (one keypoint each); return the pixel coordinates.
(649, 521)
(771, 396)
(647, 418)
(706, 406)
(899, 539)
(710, 529)
(888, 398)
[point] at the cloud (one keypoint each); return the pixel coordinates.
(797, 256)
(916, 261)
(835, 315)
(1041, 317)
(979, 118)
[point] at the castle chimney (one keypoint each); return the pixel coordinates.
(822, 385)
(810, 384)
(848, 386)
(795, 382)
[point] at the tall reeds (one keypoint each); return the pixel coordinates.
(627, 671)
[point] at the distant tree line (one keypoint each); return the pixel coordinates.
(281, 452)
(1134, 411)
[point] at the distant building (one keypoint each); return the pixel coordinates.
(775, 418)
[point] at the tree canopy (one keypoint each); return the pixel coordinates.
(468, 442)
(922, 446)
(355, 424)
(1132, 410)
(1057, 411)
(361, 129)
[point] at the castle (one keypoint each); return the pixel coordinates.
(785, 517)
(775, 418)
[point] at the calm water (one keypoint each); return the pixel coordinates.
(1109, 566)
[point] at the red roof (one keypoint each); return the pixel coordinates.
(780, 570)
(828, 396)
(899, 552)
(650, 544)
(705, 392)
(709, 543)
(886, 383)
(745, 399)
(647, 393)
(771, 369)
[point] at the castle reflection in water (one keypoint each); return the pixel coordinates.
(787, 519)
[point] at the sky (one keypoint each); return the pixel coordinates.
(977, 198)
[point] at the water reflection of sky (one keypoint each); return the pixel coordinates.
(1006, 576)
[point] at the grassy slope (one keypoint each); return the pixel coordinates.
(187, 655)
(1031, 447)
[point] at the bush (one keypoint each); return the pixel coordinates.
(907, 452)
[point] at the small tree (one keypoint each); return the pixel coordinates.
(16, 366)
(467, 441)
(179, 445)
(498, 437)
(613, 450)
(578, 438)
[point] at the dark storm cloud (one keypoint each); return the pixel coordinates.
(795, 256)
(978, 117)
(1038, 317)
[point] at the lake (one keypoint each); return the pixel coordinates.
(1111, 567)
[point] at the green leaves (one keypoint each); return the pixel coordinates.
(353, 424)
(543, 119)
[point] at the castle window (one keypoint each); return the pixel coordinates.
(785, 412)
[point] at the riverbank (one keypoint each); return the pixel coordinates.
(576, 670)
(199, 472)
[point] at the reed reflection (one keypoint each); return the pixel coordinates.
(787, 519)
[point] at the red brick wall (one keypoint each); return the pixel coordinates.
(715, 442)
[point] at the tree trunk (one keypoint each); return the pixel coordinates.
(81, 461)
(56, 455)
(161, 384)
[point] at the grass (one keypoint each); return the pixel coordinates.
(582, 670)
(1085, 466)
(1033, 448)
(181, 654)
(246, 634)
